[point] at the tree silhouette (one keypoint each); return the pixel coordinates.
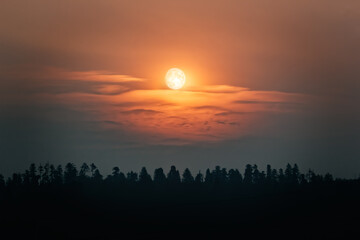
(216, 175)
(92, 169)
(117, 177)
(328, 178)
(33, 177)
(2, 182)
(208, 177)
(262, 177)
(45, 177)
(274, 176)
(219, 175)
(83, 173)
(187, 177)
(41, 171)
(269, 177)
(313, 177)
(116, 171)
(199, 178)
(235, 177)
(173, 176)
(15, 181)
(302, 179)
(144, 177)
(295, 174)
(97, 177)
(288, 174)
(49, 175)
(224, 176)
(248, 175)
(26, 178)
(256, 201)
(84, 169)
(132, 177)
(159, 176)
(256, 174)
(56, 175)
(281, 176)
(70, 173)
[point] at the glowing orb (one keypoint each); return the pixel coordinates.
(175, 78)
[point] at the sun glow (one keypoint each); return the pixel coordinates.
(175, 78)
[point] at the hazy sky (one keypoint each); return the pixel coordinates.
(267, 82)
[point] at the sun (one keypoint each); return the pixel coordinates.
(175, 78)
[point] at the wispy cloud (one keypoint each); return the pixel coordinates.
(227, 113)
(128, 104)
(141, 111)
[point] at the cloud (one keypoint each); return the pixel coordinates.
(270, 74)
(230, 113)
(218, 89)
(112, 123)
(128, 104)
(192, 116)
(97, 76)
(141, 111)
(208, 107)
(254, 102)
(264, 102)
(31, 79)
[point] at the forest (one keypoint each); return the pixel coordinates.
(80, 203)
(49, 175)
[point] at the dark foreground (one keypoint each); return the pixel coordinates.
(311, 212)
(223, 205)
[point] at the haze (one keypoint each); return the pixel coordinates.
(268, 82)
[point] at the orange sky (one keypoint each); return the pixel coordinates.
(92, 73)
(256, 44)
(194, 113)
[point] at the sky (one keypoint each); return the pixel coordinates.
(267, 82)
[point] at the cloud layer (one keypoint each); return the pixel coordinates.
(127, 104)
(268, 82)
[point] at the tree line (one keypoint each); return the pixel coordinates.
(48, 174)
(70, 202)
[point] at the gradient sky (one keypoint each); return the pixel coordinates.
(267, 82)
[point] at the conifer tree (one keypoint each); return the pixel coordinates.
(159, 176)
(144, 177)
(173, 176)
(187, 177)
